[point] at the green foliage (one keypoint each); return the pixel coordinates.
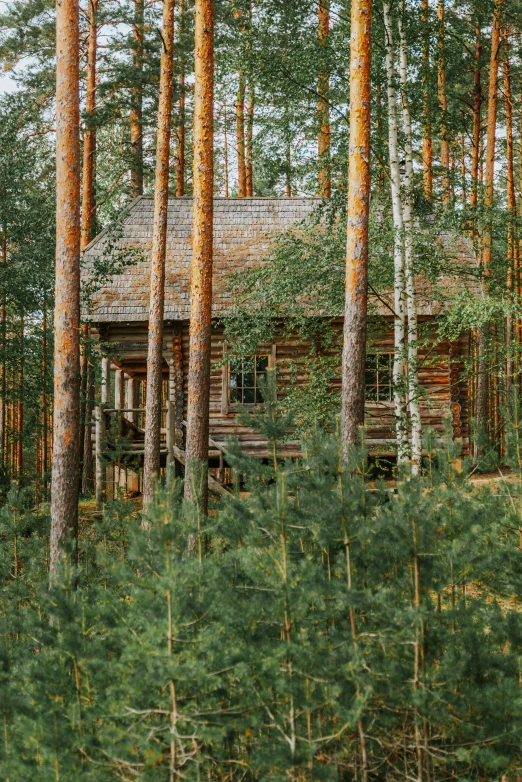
(263, 641)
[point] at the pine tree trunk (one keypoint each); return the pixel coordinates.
(45, 406)
(225, 150)
(427, 140)
(355, 310)
(180, 161)
(151, 459)
(477, 120)
(249, 177)
(443, 103)
(20, 408)
(136, 112)
(398, 251)
(323, 105)
(413, 368)
(3, 368)
(512, 208)
(66, 408)
(196, 487)
(484, 338)
(240, 137)
(88, 203)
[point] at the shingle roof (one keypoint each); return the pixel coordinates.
(242, 231)
(243, 228)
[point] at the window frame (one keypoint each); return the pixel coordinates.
(227, 406)
(389, 401)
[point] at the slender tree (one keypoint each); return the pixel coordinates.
(477, 121)
(66, 407)
(427, 140)
(151, 459)
(482, 399)
(443, 102)
(201, 269)
(512, 208)
(180, 162)
(355, 311)
(323, 104)
(136, 111)
(240, 136)
(88, 220)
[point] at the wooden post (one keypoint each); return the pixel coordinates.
(101, 476)
(101, 423)
(131, 398)
(171, 422)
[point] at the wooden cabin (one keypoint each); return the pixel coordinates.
(243, 231)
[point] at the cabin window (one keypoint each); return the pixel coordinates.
(245, 380)
(379, 377)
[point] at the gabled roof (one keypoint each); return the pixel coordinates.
(243, 230)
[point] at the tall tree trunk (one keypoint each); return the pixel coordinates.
(484, 335)
(20, 408)
(45, 405)
(323, 105)
(443, 103)
(180, 161)
(196, 487)
(225, 140)
(477, 121)
(398, 251)
(136, 112)
(151, 459)
(355, 308)
(66, 408)
(512, 208)
(240, 136)
(88, 203)
(407, 200)
(3, 367)
(249, 177)
(427, 139)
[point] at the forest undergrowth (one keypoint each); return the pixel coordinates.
(321, 627)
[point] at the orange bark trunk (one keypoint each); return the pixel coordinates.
(66, 408)
(20, 408)
(240, 137)
(45, 422)
(249, 181)
(492, 127)
(151, 459)
(180, 161)
(354, 346)
(136, 112)
(201, 268)
(427, 140)
(477, 105)
(3, 401)
(323, 106)
(443, 104)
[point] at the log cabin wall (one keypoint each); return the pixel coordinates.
(444, 390)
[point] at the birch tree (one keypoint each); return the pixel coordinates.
(151, 458)
(398, 250)
(66, 409)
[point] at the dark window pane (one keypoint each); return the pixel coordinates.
(233, 380)
(249, 396)
(233, 395)
(248, 380)
(261, 364)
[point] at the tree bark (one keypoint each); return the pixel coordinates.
(3, 336)
(136, 112)
(88, 208)
(482, 379)
(249, 176)
(20, 408)
(401, 424)
(355, 311)
(443, 104)
(240, 136)
(512, 208)
(411, 306)
(180, 162)
(45, 407)
(477, 120)
(66, 408)
(151, 459)
(196, 487)
(323, 105)
(427, 140)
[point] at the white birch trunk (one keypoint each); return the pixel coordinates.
(398, 250)
(413, 381)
